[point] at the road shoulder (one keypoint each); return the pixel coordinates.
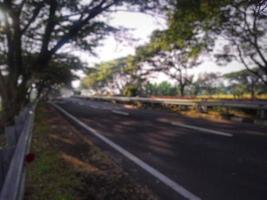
(69, 166)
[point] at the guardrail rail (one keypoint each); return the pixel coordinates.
(202, 105)
(12, 157)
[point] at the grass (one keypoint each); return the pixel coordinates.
(213, 114)
(69, 166)
(230, 97)
(48, 177)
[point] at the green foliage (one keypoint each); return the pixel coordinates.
(130, 91)
(242, 24)
(48, 175)
(162, 89)
(193, 28)
(60, 71)
(191, 16)
(243, 82)
(238, 83)
(33, 32)
(103, 73)
(207, 84)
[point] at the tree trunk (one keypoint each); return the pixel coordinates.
(252, 90)
(182, 90)
(9, 110)
(13, 99)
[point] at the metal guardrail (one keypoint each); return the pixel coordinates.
(187, 102)
(142, 99)
(12, 158)
(260, 106)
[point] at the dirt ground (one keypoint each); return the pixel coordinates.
(69, 166)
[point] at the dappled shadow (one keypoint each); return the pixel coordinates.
(101, 177)
(196, 159)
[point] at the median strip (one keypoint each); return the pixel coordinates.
(164, 179)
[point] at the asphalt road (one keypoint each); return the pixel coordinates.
(211, 160)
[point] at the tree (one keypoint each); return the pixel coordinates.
(247, 33)
(207, 84)
(113, 76)
(176, 64)
(241, 23)
(59, 72)
(160, 56)
(243, 81)
(130, 90)
(34, 31)
(107, 76)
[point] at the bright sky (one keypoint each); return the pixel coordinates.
(141, 26)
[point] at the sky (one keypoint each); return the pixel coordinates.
(140, 27)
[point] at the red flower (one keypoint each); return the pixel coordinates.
(30, 157)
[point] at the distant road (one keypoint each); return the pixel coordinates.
(198, 159)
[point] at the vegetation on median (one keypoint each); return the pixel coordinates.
(213, 114)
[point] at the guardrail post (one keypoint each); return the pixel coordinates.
(227, 110)
(19, 124)
(5, 158)
(11, 136)
(262, 113)
(23, 114)
(202, 107)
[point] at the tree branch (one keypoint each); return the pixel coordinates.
(257, 62)
(21, 6)
(32, 19)
(2, 85)
(253, 32)
(247, 67)
(78, 25)
(49, 27)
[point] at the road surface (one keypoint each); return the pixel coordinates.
(198, 159)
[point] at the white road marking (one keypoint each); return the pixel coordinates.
(78, 102)
(164, 179)
(197, 128)
(120, 112)
(93, 106)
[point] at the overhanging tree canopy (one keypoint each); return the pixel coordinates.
(33, 31)
(242, 24)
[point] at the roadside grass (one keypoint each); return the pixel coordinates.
(68, 166)
(213, 114)
(232, 97)
(245, 96)
(47, 176)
